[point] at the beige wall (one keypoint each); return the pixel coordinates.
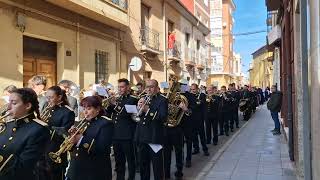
(79, 67)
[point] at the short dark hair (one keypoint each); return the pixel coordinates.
(10, 88)
(124, 80)
(223, 87)
(194, 84)
(93, 101)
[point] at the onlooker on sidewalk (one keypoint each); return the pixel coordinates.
(274, 105)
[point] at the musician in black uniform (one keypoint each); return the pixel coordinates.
(246, 94)
(90, 158)
(197, 104)
(212, 120)
(150, 131)
(124, 129)
(225, 110)
(174, 140)
(234, 107)
(61, 119)
(23, 140)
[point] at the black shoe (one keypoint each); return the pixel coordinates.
(273, 130)
(237, 126)
(231, 130)
(227, 134)
(178, 174)
(276, 133)
(208, 142)
(206, 153)
(215, 143)
(221, 134)
(195, 152)
(188, 164)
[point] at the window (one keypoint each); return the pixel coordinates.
(198, 44)
(145, 15)
(101, 65)
(170, 26)
(187, 39)
(147, 75)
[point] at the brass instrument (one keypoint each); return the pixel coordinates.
(67, 144)
(4, 109)
(198, 99)
(147, 100)
(107, 101)
(3, 124)
(209, 98)
(175, 113)
(46, 113)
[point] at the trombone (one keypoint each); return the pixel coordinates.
(67, 144)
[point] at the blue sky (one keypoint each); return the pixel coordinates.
(250, 16)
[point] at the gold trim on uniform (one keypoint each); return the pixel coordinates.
(91, 145)
(107, 118)
(42, 123)
(86, 145)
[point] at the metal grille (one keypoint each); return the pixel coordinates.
(121, 3)
(149, 38)
(101, 65)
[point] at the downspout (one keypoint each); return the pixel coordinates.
(118, 54)
(289, 81)
(78, 54)
(305, 92)
(165, 39)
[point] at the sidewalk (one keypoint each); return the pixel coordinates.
(255, 154)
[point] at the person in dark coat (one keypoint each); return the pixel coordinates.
(124, 129)
(24, 137)
(60, 121)
(274, 105)
(150, 131)
(213, 101)
(90, 156)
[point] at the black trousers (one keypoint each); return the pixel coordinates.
(224, 122)
(199, 131)
(147, 155)
(174, 139)
(124, 152)
(187, 133)
(234, 118)
(212, 129)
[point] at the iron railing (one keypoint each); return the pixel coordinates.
(149, 38)
(189, 55)
(123, 4)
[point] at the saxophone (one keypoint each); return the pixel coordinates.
(175, 113)
(67, 144)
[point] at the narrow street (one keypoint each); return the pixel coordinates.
(255, 154)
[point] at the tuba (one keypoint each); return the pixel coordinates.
(67, 143)
(175, 113)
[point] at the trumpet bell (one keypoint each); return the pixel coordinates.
(55, 157)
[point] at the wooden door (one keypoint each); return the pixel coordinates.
(33, 66)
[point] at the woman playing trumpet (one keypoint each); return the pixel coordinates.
(24, 137)
(90, 158)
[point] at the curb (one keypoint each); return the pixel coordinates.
(217, 156)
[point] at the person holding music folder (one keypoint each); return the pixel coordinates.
(124, 129)
(90, 156)
(60, 118)
(150, 131)
(23, 137)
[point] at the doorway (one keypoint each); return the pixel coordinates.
(39, 58)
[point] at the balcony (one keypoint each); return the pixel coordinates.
(149, 41)
(110, 12)
(189, 59)
(200, 58)
(174, 53)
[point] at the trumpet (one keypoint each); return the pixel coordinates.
(67, 144)
(3, 122)
(198, 99)
(147, 100)
(107, 101)
(209, 98)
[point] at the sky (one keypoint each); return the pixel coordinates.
(249, 16)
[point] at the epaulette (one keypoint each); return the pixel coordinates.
(163, 96)
(68, 107)
(134, 96)
(106, 118)
(40, 122)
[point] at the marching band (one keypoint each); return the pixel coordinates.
(46, 135)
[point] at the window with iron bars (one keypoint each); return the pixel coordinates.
(101, 65)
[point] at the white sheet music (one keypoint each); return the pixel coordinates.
(155, 147)
(131, 108)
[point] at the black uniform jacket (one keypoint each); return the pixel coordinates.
(21, 145)
(62, 117)
(150, 129)
(213, 106)
(226, 102)
(89, 161)
(198, 107)
(124, 126)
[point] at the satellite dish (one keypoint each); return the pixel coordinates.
(135, 64)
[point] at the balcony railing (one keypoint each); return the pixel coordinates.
(189, 59)
(149, 39)
(123, 4)
(174, 53)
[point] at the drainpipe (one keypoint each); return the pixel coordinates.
(289, 80)
(305, 92)
(78, 54)
(165, 39)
